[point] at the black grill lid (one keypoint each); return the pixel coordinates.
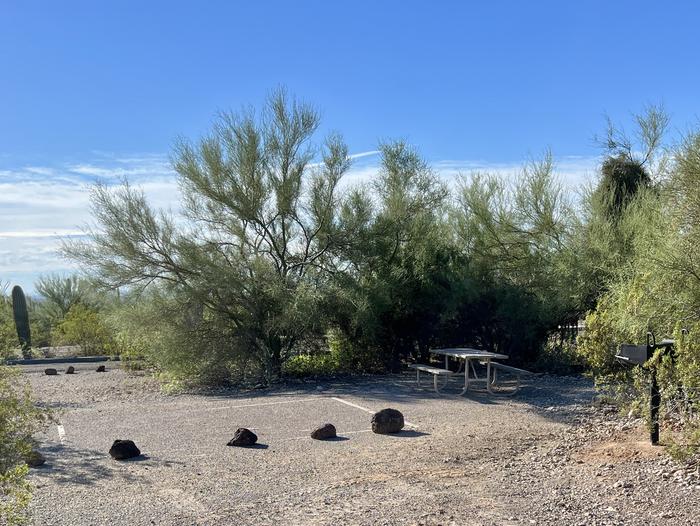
(634, 354)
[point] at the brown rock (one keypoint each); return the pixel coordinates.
(35, 459)
(243, 438)
(123, 450)
(324, 432)
(387, 421)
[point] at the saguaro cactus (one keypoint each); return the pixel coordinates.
(19, 310)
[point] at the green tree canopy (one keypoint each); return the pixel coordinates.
(259, 230)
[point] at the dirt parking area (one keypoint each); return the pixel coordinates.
(545, 456)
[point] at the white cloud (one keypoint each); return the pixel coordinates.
(364, 154)
(39, 205)
(39, 234)
(573, 170)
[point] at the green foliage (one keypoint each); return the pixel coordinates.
(57, 295)
(517, 241)
(61, 293)
(19, 420)
(655, 287)
(304, 365)
(15, 495)
(270, 257)
(560, 356)
(85, 327)
(621, 180)
(9, 347)
(259, 237)
(389, 300)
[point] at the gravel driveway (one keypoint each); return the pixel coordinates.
(543, 457)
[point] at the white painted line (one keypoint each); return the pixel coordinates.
(353, 405)
(366, 410)
(61, 433)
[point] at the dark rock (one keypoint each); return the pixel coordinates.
(35, 459)
(387, 421)
(50, 372)
(124, 449)
(101, 369)
(324, 432)
(243, 437)
(70, 370)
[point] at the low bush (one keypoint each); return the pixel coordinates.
(85, 327)
(304, 365)
(20, 418)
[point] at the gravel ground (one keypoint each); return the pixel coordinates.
(545, 456)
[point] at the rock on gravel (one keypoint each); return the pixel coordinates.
(123, 450)
(324, 432)
(387, 421)
(35, 459)
(243, 438)
(50, 372)
(101, 369)
(70, 370)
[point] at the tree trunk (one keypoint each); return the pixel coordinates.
(273, 367)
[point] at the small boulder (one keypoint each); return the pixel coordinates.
(123, 450)
(35, 459)
(101, 369)
(70, 370)
(387, 421)
(324, 432)
(50, 372)
(243, 438)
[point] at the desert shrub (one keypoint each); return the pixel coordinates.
(560, 357)
(304, 365)
(20, 418)
(335, 354)
(84, 327)
(9, 343)
(656, 288)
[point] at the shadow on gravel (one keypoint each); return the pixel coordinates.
(257, 445)
(543, 392)
(69, 465)
(556, 398)
(55, 406)
(140, 458)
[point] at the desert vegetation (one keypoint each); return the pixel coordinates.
(274, 266)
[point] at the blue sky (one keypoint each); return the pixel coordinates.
(93, 89)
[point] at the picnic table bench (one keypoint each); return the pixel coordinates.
(435, 371)
(495, 366)
(466, 355)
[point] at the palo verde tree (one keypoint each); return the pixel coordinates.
(60, 293)
(633, 165)
(396, 283)
(260, 229)
(517, 239)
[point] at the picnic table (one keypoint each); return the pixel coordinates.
(468, 354)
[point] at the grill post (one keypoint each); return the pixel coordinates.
(641, 355)
(654, 404)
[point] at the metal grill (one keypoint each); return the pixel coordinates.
(639, 355)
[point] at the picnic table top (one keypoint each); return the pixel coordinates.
(468, 352)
